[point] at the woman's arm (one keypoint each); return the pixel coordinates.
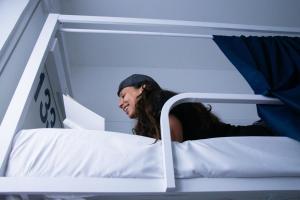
(176, 129)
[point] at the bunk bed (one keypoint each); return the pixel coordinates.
(167, 184)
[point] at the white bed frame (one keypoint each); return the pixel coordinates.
(134, 188)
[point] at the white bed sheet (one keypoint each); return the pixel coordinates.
(88, 153)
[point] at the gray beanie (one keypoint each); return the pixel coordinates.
(136, 80)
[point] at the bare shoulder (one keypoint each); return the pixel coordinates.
(176, 128)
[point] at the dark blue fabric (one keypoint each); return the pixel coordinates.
(271, 66)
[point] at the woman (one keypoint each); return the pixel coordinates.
(142, 98)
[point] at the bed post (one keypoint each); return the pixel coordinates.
(19, 104)
(168, 163)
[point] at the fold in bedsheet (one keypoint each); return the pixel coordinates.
(86, 153)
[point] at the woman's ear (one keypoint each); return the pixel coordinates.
(142, 88)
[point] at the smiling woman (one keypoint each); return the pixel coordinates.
(128, 99)
(131, 88)
(142, 98)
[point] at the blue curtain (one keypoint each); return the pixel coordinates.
(271, 66)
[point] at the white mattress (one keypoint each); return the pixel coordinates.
(86, 153)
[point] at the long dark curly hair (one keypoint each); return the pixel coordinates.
(147, 114)
(148, 110)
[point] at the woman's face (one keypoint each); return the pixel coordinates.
(128, 98)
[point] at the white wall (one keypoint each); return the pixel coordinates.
(9, 15)
(21, 51)
(99, 63)
(262, 12)
(101, 96)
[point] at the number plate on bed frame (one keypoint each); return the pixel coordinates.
(43, 112)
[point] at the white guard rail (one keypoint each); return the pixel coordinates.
(203, 98)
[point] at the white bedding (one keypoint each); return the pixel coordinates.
(86, 153)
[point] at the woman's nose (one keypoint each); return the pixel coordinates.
(120, 103)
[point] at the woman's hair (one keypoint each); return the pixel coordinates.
(148, 110)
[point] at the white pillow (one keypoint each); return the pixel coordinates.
(80, 117)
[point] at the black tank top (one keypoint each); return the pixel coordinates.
(193, 129)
